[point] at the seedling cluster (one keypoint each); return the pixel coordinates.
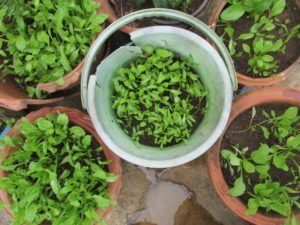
(267, 35)
(283, 155)
(157, 97)
(55, 174)
(41, 41)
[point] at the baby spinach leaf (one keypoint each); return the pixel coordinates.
(239, 188)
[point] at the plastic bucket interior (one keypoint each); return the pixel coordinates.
(218, 78)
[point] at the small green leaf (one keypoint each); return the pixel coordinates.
(77, 131)
(246, 36)
(54, 183)
(246, 48)
(21, 43)
(263, 171)
(86, 141)
(278, 7)
(252, 206)
(279, 160)
(232, 13)
(44, 124)
(248, 166)
(238, 189)
(261, 155)
(291, 112)
(62, 119)
(30, 212)
(265, 132)
(282, 209)
(102, 202)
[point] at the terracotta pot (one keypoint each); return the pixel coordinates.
(73, 77)
(14, 98)
(242, 78)
(81, 119)
(257, 97)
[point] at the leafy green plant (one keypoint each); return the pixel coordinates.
(269, 194)
(56, 174)
(264, 44)
(173, 4)
(157, 97)
(41, 41)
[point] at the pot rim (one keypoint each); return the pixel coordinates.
(267, 95)
(242, 78)
(83, 120)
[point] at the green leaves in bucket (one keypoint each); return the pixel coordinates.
(158, 98)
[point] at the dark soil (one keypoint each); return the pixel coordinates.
(124, 7)
(291, 54)
(191, 213)
(252, 140)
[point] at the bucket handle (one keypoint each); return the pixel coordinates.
(155, 12)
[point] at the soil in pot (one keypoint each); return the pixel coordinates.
(243, 26)
(124, 7)
(159, 99)
(238, 134)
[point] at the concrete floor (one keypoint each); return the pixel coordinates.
(181, 195)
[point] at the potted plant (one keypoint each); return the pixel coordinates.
(255, 165)
(70, 178)
(158, 98)
(263, 38)
(43, 44)
(118, 8)
(152, 102)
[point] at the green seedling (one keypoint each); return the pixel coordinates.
(41, 41)
(154, 97)
(269, 194)
(263, 44)
(56, 174)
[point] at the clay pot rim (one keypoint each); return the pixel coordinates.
(267, 95)
(83, 120)
(242, 78)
